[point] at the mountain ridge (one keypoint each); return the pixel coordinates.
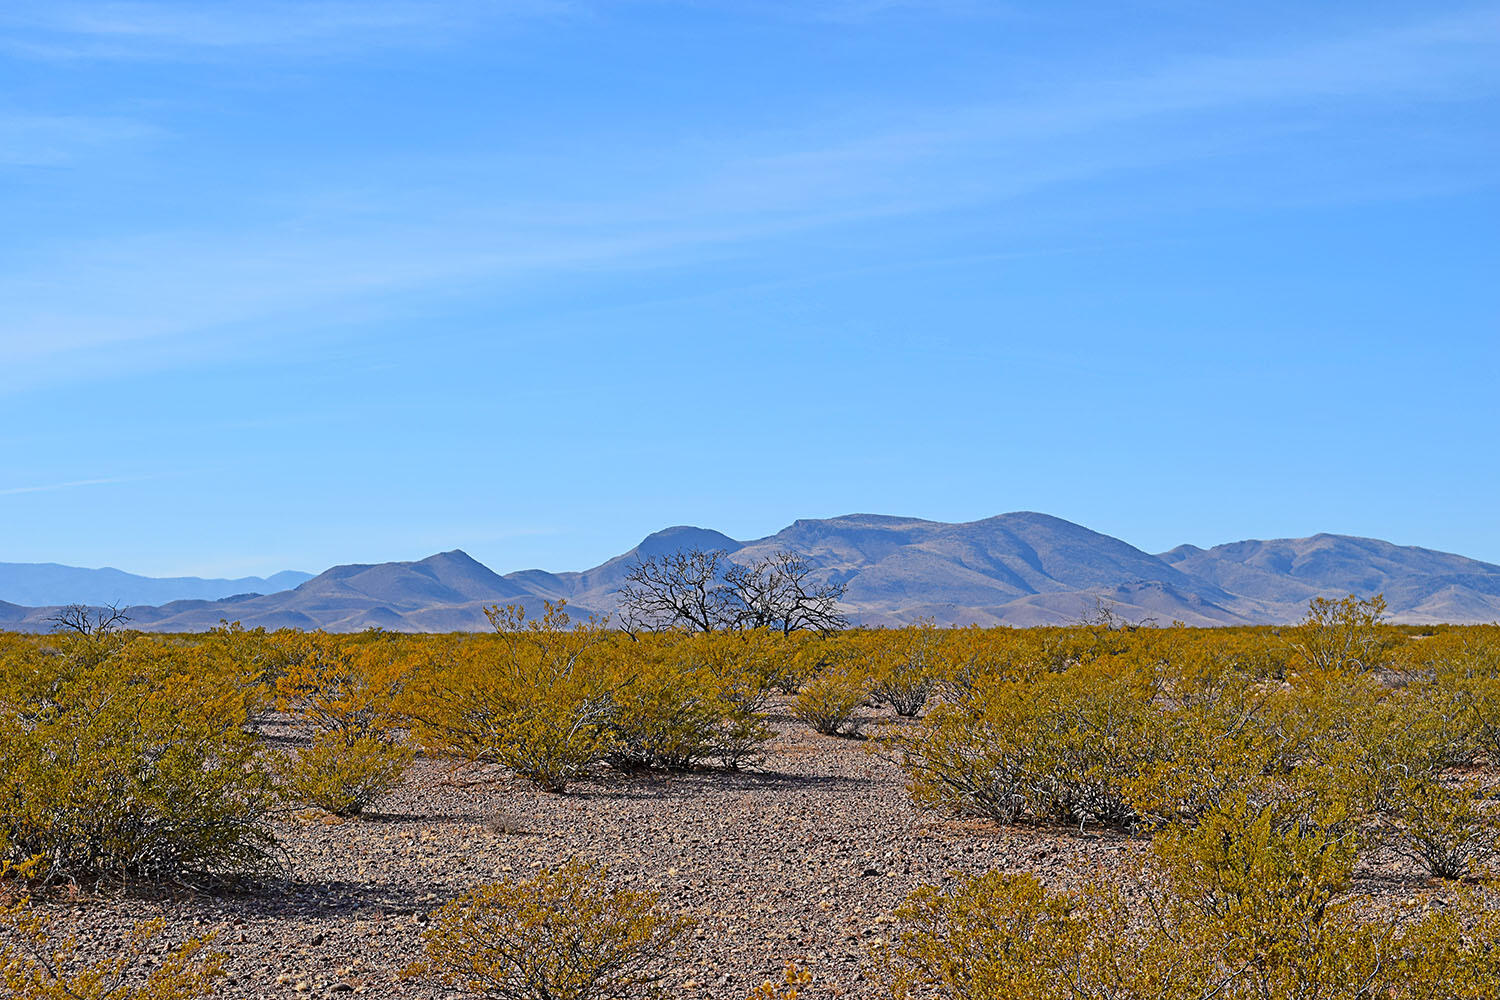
(42, 584)
(1020, 568)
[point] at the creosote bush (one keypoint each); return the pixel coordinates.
(1244, 905)
(687, 701)
(1066, 747)
(564, 934)
(1260, 761)
(39, 962)
(830, 700)
(1444, 828)
(549, 701)
(534, 698)
(342, 774)
(130, 757)
(1146, 728)
(346, 691)
(908, 665)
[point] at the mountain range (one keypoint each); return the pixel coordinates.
(51, 583)
(1013, 569)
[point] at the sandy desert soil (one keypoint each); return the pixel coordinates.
(803, 858)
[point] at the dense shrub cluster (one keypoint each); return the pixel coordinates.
(1261, 762)
(548, 700)
(128, 756)
(346, 692)
(1339, 721)
(1242, 905)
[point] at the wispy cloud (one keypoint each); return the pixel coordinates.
(52, 487)
(496, 225)
(28, 140)
(854, 11)
(143, 29)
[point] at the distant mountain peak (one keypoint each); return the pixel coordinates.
(49, 584)
(453, 557)
(685, 536)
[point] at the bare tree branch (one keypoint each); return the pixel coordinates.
(88, 622)
(681, 590)
(706, 592)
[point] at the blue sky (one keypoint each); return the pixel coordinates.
(286, 284)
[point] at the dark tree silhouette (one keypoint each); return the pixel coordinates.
(89, 622)
(779, 593)
(684, 589)
(705, 592)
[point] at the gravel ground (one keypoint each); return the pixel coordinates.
(803, 859)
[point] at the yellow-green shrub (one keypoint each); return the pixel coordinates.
(1064, 746)
(907, 665)
(1207, 740)
(811, 654)
(346, 690)
(1445, 829)
(255, 653)
(684, 701)
(973, 654)
(988, 937)
(1138, 729)
(39, 963)
(535, 698)
(130, 757)
(1343, 636)
(343, 775)
(1459, 669)
(830, 700)
(972, 756)
(565, 934)
(1241, 906)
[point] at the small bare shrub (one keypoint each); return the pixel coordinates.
(1443, 828)
(39, 963)
(793, 978)
(504, 823)
(564, 934)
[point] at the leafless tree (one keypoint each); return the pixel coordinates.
(706, 592)
(1106, 618)
(779, 592)
(682, 590)
(89, 622)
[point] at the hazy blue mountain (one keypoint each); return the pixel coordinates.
(446, 592)
(896, 569)
(1279, 576)
(50, 583)
(1018, 569)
